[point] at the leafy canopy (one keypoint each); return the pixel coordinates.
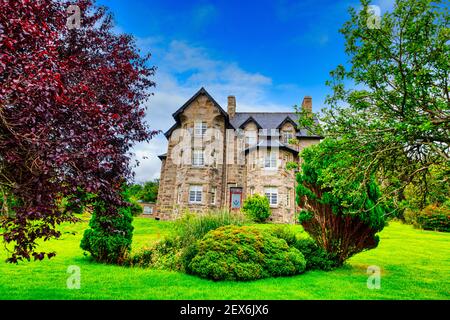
(392, 103)
(71, 106)
(341, 213)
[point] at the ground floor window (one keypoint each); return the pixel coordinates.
(272, 195)
(148, 210)
(195, 194)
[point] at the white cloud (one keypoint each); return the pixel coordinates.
(182, 70)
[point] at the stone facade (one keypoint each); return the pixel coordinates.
(215, 159)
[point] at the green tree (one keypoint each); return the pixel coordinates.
(134, 191)
(398, 106)
(149, 191)
(342, 214)
(257, 208)
(109, 240)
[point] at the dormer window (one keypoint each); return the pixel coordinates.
(250, 137)
(286, 136)
(200, 128)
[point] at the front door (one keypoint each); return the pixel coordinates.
(235, 198)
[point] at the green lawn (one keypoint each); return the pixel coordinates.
(414, 264)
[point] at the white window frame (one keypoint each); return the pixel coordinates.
(148, 210)
(251, 137)
(213, 195)
(198, 158)
(195, 194)
(271, 160)
(271, 194)
(200, 128)
(286, 134)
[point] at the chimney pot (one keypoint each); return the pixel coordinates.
(307, 104)
(231, 106)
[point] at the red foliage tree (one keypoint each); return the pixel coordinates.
(70, 110)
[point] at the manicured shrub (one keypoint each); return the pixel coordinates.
(109, 237)
(434, 217)
(176, 251)
(257, 208)
(316, 257)
(286, 233)
(187, 254)
(244, 253)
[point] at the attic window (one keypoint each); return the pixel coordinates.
(250, 137)
(200, 128)
(287, 135)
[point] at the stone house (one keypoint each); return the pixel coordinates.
(215, 159)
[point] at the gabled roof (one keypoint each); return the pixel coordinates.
(169, 132)
(195, 96)
(263, 120)
(270, 120)
(267, 120)
(176, 114)
(250, 119)
(287, 120)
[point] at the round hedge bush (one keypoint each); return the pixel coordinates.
(244, 253)
(257, 208)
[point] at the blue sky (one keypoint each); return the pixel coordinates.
(269, 54)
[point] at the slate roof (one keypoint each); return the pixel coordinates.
(269, 120)
(271, 143)
(263, 120)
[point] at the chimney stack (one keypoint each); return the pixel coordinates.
(231, 106)
(307, 104)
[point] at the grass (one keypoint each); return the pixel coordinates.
(414, 264)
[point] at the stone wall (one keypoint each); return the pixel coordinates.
(227, 168)
(258, 178)
(178, 174)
